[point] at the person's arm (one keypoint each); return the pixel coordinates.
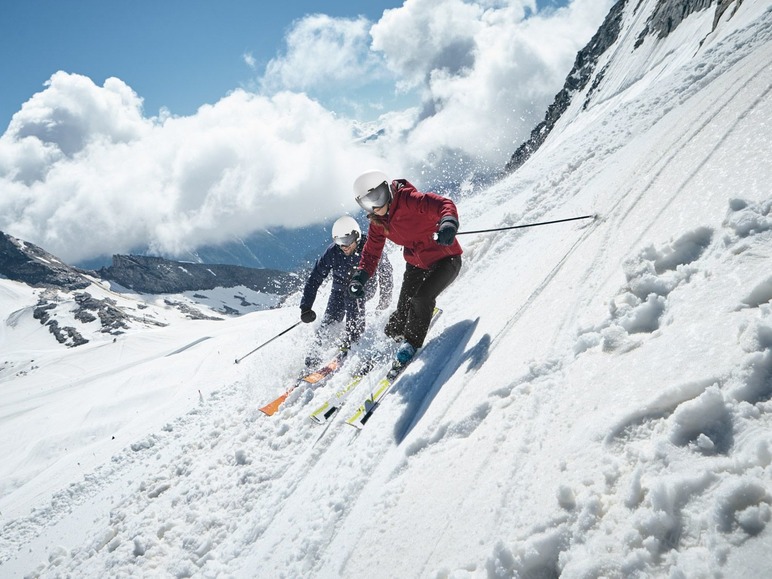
(429, 204)
(443, 211)
(373, 249)
(318, 274)
(371, 255)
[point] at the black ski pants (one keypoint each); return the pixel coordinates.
(420, 288)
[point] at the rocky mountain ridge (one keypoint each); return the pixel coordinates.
(157, 275)
(664, 19)
(26, 262)
(73, 303)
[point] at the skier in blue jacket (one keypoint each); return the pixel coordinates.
(342, 258)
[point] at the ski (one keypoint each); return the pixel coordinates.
(362, 414)
(366, 409)
(331, 406)
(313, 378)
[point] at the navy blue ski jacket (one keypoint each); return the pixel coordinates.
(342, 267)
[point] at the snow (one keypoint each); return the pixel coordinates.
(594, 401)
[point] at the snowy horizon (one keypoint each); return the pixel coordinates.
(594, 401)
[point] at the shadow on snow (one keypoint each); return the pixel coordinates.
(441, 359)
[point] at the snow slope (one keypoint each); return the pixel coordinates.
(595, 400)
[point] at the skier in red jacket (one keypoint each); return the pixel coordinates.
(425, 225)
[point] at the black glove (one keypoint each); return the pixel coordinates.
(356, 285)
(307, 316)
(446, 232)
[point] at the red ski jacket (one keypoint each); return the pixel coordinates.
(411, 222)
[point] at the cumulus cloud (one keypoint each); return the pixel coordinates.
(425, 36)
(84, 173)
(62, 120)
(245, 163)
(487, 69)
(323, 53)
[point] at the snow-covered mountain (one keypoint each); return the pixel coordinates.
(281, 248)
(121, 297)
(594, 401)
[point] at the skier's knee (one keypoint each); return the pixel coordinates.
(422, 307)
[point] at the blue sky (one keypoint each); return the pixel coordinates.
(174, 53)
(171, 125)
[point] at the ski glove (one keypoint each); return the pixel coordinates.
(446, 232)
(356, 286)
(307, 316)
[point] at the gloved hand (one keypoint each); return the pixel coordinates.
(307, 316)
(356, 285)
(446, 231)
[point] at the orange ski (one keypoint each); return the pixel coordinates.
(313, 378)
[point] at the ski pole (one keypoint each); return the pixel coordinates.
(527, 225)
(269, 341)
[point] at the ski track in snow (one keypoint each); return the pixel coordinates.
(698, 239)
(676, 478)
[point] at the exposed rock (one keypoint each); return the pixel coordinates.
(721, 8)
(66, 335)
(581, 73)
(190, 312)
(665, 18)
(157, 275)
(41, 311)
(113, 320)
(25, 262)
(670, 13)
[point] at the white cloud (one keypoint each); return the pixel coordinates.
(249, 60)
(323, 52)
(84, 173)
(245, 163)
(427, 35)
(70, 114)
(484, 68)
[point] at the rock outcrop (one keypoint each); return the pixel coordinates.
(157, 275)
(665, 18)
(25, 262)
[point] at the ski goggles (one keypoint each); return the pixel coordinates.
(346, 240)
(375, 197)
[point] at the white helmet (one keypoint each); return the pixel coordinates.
(345, 231)
(371, 190)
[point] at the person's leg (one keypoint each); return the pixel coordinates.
(334, 313)
(411, 281)
(424, 298)
(336, 309)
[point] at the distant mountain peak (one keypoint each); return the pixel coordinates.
(72, 315)
(26, 262)
(157, 275)
(666, 16)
